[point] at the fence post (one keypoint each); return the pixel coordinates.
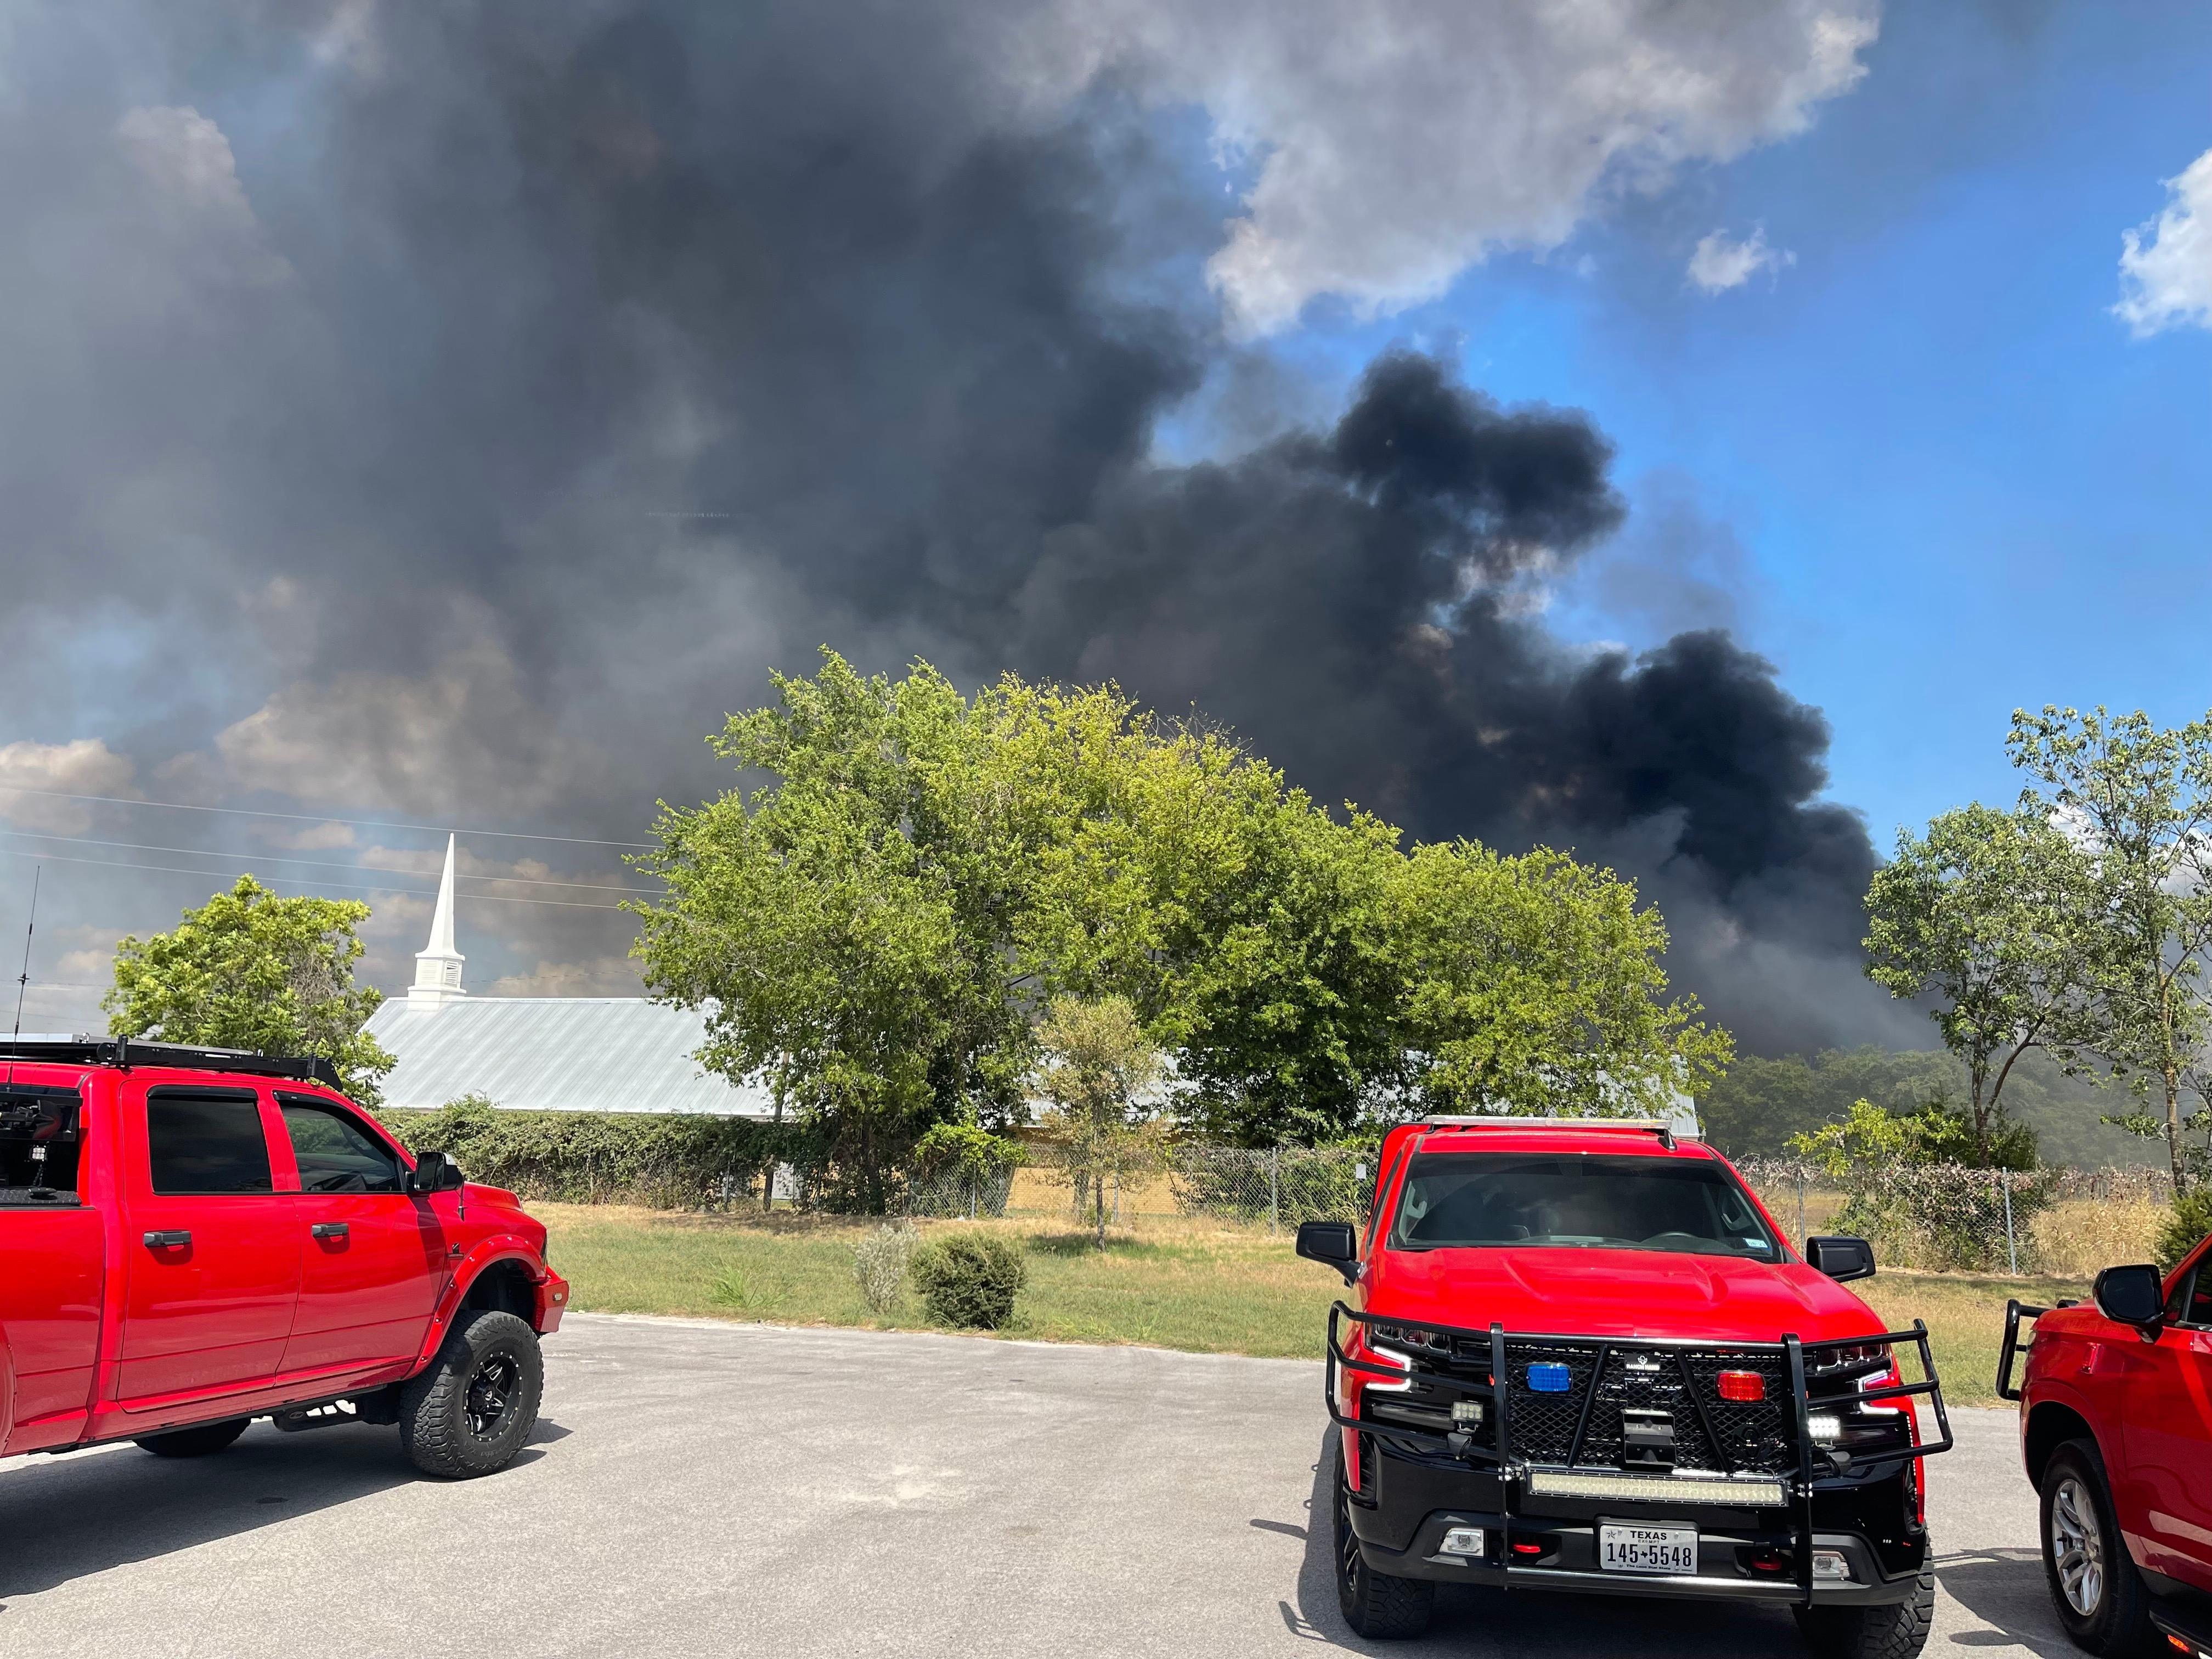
(972, 1198)
(2012, 1248)
(1274, 1190)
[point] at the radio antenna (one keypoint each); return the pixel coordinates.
(23, 978)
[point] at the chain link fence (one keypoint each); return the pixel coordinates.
(1951, 1217)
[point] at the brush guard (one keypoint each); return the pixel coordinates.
(1811, 1467)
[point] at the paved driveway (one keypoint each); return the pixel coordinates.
(725, 1490)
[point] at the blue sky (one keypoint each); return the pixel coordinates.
(350, 393)
(1960, 484)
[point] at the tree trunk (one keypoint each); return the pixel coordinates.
(767, 1170)
(2172, 1080)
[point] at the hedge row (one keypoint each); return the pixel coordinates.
(667, 1161)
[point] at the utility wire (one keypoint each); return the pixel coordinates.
(319, 817)
(299, 881)
(317, 864)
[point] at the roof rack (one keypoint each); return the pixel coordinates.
(126, 1052)
(1663, 1127)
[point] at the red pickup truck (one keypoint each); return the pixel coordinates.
(193, 1238)
(2116, 1430)
(1579, 1355)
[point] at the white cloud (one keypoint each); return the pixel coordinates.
(185, 161)
(1718, 264)
(86, 766)
(599, 977)
(2165, 264)
(316, 837)
(1399, 142)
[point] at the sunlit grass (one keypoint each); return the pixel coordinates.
(1192, 1284)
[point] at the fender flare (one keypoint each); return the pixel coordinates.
(486, 1253)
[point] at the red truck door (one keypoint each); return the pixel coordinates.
(375, 1259)
(2166, 1412)
(211, 1248)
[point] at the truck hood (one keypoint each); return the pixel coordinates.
(1597, 1293)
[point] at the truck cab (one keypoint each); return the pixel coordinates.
(2116, 1437)
(192, 1238)
(1577, 1354)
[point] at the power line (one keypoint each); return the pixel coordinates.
(319, 817)
(299, 881)
(319, 864)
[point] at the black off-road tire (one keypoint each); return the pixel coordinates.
(1898, 1631)
(469, 1413)
(1375, 1605)
(201, 1441)
(2077, 1503)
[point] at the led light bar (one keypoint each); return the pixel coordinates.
(1656, 1489)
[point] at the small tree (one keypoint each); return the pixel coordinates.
(1098, 1064)
(1990, 915)
(251, 970)
(2141, 799)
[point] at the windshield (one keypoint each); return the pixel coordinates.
(1462, 1200)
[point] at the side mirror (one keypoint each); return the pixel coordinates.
(2131, 1296)
(434, 1172)
(1840, 1256)
(1336, 1243)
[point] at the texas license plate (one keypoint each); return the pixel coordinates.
(1647, 1549)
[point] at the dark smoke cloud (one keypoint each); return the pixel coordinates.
(543, 377)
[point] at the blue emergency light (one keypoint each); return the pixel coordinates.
(1550, 1378)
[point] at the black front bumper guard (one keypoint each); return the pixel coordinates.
(1815, 1471)
(2013, 1347)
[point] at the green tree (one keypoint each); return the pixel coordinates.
(876, 929)
(1096, 1068)
(1533, 984)
(1934, 1131)
(848, 927)
(2139, 798)
(1988, 915)
(251, 970)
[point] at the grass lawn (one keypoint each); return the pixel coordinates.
(1195, 1285)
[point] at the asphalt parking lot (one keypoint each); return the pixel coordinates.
(703, 1489)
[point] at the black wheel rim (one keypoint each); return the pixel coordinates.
(491, 1391)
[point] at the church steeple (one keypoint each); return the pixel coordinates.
(438, 964)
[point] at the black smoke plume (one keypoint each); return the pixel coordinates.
(585, 361)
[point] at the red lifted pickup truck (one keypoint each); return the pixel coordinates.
(192, 1238)
(1580, 1357)
(2115, 1430)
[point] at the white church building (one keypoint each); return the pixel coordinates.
(542, 1054)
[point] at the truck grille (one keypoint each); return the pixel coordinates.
(1752, 1436)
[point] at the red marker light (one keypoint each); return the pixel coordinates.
(1743, 1387)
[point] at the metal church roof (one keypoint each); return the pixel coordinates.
(555, 1055)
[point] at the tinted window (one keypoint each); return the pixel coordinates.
(206, 1143)
(335, 1153)
(2197, 1309)
(1594, 1201)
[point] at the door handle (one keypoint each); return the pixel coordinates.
(329, 1230)
(168, 1240)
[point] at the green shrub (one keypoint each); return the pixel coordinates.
(665, 1160)
(2189, 1221)
(969, 1279)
